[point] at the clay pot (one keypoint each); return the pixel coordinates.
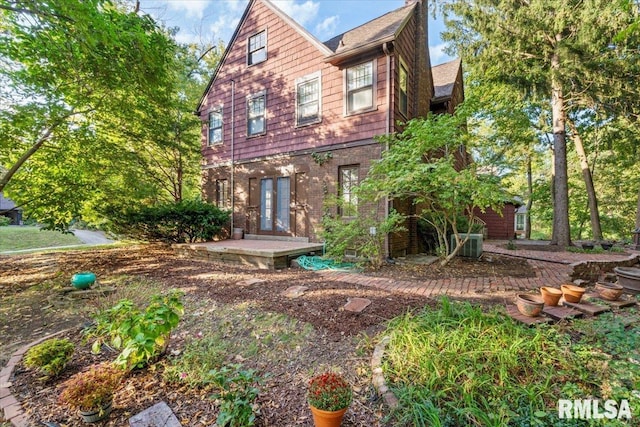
(572, 293)
(609, 291)
(529, 305)
(327, 418)
(551, 296)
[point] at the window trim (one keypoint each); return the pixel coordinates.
(342, 168)
(302, 80)
(249, 52)
(524, 222)
(374, 86)
(218, 110)
(222, 197)
(403, 66)
(250, 98)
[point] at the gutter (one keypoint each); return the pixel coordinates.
(342, 56)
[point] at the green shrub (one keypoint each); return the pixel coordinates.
(358, 234)
(141, 334)
(237, 392)
(4, 221)
(185, 221)
(50, 356)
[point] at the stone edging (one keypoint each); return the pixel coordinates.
(378, 378)
(12, 409)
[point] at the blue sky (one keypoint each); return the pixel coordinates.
(210, 20)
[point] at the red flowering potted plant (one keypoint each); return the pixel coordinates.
(329, 397)
(91, 391)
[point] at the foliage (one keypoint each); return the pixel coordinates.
(456, 365)
(142, 334)
(237, 392)
(428, 164)
(4, 221)
(329, 392)
(198, 359)
(50, 356)
(93, 388)
(356, 233)
(174, 222)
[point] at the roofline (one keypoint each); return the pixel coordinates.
(304, 33)
(224, 57)
(337, 58)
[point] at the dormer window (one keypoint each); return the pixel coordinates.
(257, 49)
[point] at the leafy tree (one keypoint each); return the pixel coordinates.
(553, 47)
(427, 163)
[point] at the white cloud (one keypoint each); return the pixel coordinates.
(437, 54)
(224, 25)
(301, 13)
(327, 28)
(191, 8)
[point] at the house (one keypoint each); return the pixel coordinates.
(9, 209)
(288, 121)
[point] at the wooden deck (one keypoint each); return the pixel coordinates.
(259, 253)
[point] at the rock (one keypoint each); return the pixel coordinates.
(158, 415)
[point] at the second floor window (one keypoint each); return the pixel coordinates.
(256, 113)
(359, 87)
(308, 99)
(402, 77)
(215, 127)
(347, 180)
(257, 48)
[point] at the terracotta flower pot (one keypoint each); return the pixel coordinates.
(572, 293)
(609, 291)
(551, 296)
(529, 305)
(327, 418)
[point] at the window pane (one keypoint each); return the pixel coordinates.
(258, 56)
(266, 204)
(282, 220)
(256, 125)
(255, 116)
(348, 180)
(257, 48)
(215, 127)
(360, 76)
(308, 101)
(361, 99)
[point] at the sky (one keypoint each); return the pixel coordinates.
(212, 20)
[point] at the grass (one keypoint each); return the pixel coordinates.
(457, 366)
(26, 237)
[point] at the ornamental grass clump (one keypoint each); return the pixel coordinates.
(329, 392)
(93, 388)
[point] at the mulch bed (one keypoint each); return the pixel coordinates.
(337, 333)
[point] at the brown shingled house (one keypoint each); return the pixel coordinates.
(288, 120)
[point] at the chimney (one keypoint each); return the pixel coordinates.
(424, 80)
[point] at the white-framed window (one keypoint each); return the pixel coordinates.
(215, 126)
(222, 193)
(402, 85)
(520, 221)
(347, 180)
(360, 82)
(256, 114)
(309, 99)
(257, 48)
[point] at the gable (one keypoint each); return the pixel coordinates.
(248, 20)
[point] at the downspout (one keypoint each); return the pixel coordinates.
(385, 49)
(233, 131)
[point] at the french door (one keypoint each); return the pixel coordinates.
(275, 205)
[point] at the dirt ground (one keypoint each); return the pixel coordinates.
(32, 306)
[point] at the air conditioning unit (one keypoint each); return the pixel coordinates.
(472, 248)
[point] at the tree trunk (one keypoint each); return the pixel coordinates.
(638, 211)
(527, 227)
(594, 213)
(561, 231)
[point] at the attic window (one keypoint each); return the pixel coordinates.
(257, 48)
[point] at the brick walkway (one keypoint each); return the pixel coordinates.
(551, 268)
